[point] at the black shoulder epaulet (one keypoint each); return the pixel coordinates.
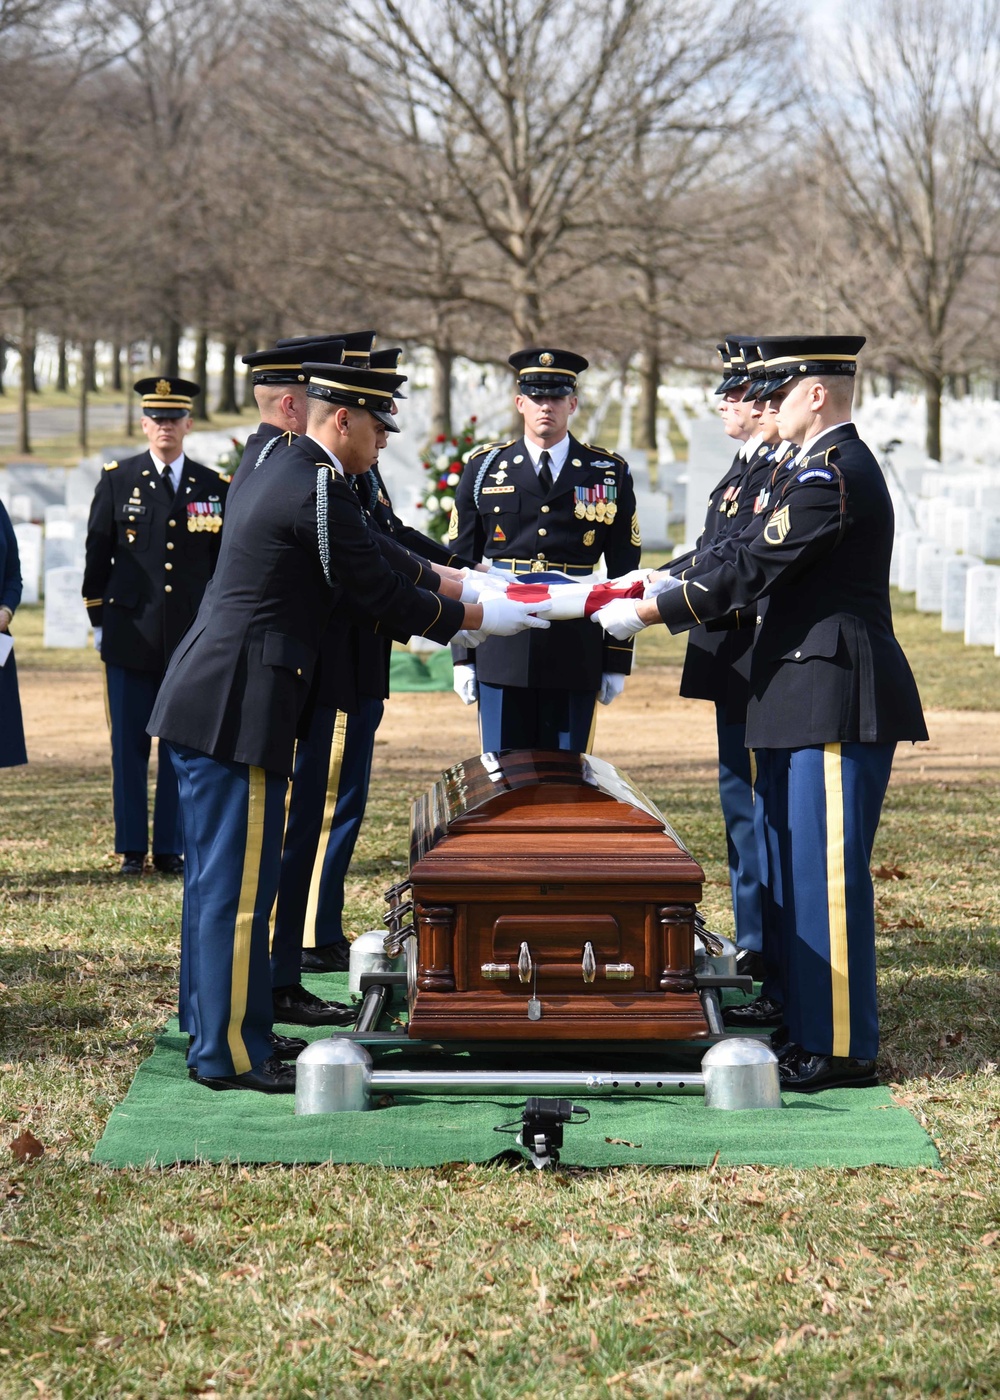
(489, 446)
(606, 452)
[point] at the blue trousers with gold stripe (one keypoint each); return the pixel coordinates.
(522, 717)
(130, 696)
(333, 765)
(232, 816)
(823, 808)
(736, 796)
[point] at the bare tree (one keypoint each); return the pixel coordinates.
(906, 173)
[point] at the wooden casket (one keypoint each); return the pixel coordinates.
(550, 900)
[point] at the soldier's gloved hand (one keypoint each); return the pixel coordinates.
(620, 618)
(465, 684)
(633, 576)
(475, 584)
(659, 582)
(503, 617)
(98, 634)
(612, 685)
(503, 576)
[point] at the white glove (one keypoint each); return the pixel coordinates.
(465, 685)
(612, 685)
(502, 617)
(98, 634)
(475, 584)
(660, 583)
(503, 576)
(633, 576)
(620, 618)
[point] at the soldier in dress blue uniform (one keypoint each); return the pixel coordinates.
(237, 689)
(831, 695)
(334, 755)
(545, 502)
(152, 542)
(716, 665)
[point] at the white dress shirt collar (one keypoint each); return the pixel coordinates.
(557, 455)
(809, 445)
(748, 448)
(175, 468)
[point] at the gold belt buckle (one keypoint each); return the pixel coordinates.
(538, 566)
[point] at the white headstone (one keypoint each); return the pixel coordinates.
(956, 527)
(710, 453)
(80, 485)
(29, 547)
(908, 544)
(651, 508)
(20, 507)
(956, 572)
(66, 622)
(930, 576)
(65, 539)
(981, 598)
(937, 516)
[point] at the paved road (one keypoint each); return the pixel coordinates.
(47, 423)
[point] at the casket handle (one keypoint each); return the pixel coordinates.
(619, 972)
(495, 972)
(398, 889)
(392, 943)
(397, 914)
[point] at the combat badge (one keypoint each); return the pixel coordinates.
(778, 526)
(589, 537)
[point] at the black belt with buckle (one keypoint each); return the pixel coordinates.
(541, 566)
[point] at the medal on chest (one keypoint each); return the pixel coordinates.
(205, 515)
(599, 502)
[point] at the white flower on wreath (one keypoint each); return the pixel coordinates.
(452, 478)
(442, 460)
(447, 502)
(432, 505)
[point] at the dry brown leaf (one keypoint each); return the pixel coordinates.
(26, 1147)
(622, 1142)
(890, 872)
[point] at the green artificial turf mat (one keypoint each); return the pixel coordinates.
(430, 671)
(166, 1118)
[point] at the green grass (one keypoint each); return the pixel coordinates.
(485, 1281)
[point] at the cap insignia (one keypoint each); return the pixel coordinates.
(545, 359)
(163, 386)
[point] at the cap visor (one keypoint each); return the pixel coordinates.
(387, 419)
(161, 414)
(546, 391)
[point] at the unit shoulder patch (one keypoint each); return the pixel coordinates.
(815, 474)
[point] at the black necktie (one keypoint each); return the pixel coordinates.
(168, 484)
(544, 472)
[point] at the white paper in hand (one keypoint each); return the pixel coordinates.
(6, 647)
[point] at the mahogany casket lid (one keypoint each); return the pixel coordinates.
(530, 811)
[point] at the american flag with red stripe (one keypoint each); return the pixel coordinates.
(571, 599)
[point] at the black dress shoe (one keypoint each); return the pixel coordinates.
(272, 1077)
(750, 964)
(297, 1007)
(133, 863)
(285, 1047)
(169, 864)
(780, 1038)
(332, 957)
(805, 1072)
(754, 1015)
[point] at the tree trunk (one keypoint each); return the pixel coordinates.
(933, 386)
(86, 379)
(893, 384)
(89, 353)
(116, 367)
(27, 357)
(201, 377)
(441, 391)
(227, 390)
(170, 363)
(3, 364)
(129, 396)
(28, 371)
(649, 387)
(62, 373)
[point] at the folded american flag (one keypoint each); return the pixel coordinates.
(569, 598)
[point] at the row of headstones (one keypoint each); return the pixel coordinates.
(963, 588)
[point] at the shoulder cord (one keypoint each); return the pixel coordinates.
(271, 442)
(323, 474)
(487, 463)
(372, 481)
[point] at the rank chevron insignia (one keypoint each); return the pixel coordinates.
(778, 526)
